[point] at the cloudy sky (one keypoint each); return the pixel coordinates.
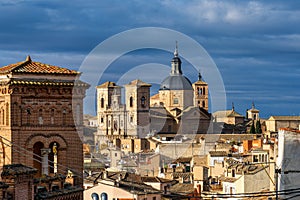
(254, 44)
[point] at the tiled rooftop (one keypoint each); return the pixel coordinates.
(28, 66)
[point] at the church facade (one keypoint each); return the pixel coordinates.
(179, 107)
(41, 110)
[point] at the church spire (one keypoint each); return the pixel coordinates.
(176, 50)
(176, 62)
(253, 106)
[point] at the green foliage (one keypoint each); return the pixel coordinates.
(252, 129)
(258, 127)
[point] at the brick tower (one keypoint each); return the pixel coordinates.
(41, 109)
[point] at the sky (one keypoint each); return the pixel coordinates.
(254, 44)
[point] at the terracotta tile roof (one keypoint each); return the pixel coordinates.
(182, 188)
(108, 84)
(28, 66)
(155, 179)
(200, 82)
(218, 153)
(226, 113)
(139, 83)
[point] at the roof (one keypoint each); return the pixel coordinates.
(17, 169)
(138, 82)
(291, 118)
(200, 82)
(218, 153)
(183, 160)
(107, 85)
(200, 160)
(155, 96)
(227, 113)
(182, 188)
(176, 82)
(155, 179)
(28, 66)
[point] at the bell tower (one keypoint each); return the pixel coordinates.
(137, 95)
(200, 93)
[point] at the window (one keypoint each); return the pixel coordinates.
(40, 119)
(64, 116)
(233, 173)
(52, 116)
(203, 91)
(143, 102)
(203, 104)
(255, 158)
(101, 120)
(175, 101)
(131, 119)
(131, 102)
(102, 102)
(199, 91)
(28, 112)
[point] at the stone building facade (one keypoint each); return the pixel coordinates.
(178, 107)
(41, 109)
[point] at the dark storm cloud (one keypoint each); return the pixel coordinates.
(255, 44)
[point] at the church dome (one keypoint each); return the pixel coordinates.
(176, 82)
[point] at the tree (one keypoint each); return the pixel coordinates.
(252, 129)
(258, 127)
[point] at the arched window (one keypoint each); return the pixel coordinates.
(131, 102)
(199, 91)
(40, 119)
(37, 159)
(203, 91)
(143, 101)
(102, 102)
(203, 104)
(53, 157)
(104, 196)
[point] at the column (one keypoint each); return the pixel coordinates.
(45, 166)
